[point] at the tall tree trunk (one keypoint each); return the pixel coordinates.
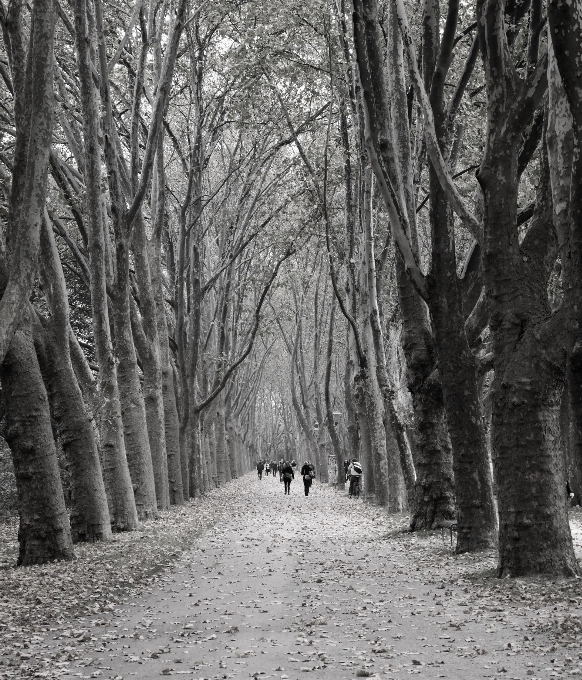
(331, 426)
(434, 498)
(171, 419)
(32, 79)
(351, 416)
(120, 496)
(476, 519)
(152, 369)
(534, 534)
(90, 520)
(44, 532)
(564, 21)
(133, 413)
(222, 462)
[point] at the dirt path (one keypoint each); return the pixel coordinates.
(325, 585)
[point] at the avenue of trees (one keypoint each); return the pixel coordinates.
(317, 230)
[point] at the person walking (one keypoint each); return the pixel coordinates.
(287, 475)
(355, 473)
(274, 467)
(260, 468)
(281, 463)
(308, 473)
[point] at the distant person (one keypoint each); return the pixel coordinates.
(355, 474)
(274, 467)
(294, 465)
(346, 468)
(287, 475)
(281, 463)
(260, 468)
(267, 469)
(569, 492)
(308, 473)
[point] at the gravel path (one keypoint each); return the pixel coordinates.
(325, 585)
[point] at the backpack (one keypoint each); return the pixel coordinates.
(357, 468)
(287, 476)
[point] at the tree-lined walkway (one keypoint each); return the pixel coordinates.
(286, 585)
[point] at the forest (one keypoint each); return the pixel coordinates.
(247, 230)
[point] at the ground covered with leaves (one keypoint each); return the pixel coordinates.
(248, 582)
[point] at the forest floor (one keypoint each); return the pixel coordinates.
(248, 582)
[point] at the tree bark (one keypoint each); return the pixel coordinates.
(152, 370)
(120, 496)
(534, 534)
(34, 104)
(133, 414)
(90, 520)
(335, 441)
(564, 22)
(171, 419)
(476, 516)
(44, 534)
(434, 498)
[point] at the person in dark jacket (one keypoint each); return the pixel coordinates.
(260, 468)
(308, 473)
(287, 475)
(274, 468)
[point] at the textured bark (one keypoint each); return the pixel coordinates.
(196, 464)
(132, 403)
(171, 420)
(565, 20)
(366, 443)
(34, 104)
(152, 370)
(335, 440)
(44, 532)
(534, 534)
(90, 520)
(135, 431)
(476, 517)
(374, 346)
(434, 498)
(351, 416)
(114, 462)
(222, 461)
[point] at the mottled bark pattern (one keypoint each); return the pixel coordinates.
(44, 532)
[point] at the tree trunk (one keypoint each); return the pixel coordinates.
(90, 520)
(434, 499)
(44, 532)
(534, 535)
(528, 355)
(564, 21)
(114, 461)
(351, 416)
(135, 430)
(222, 462)
(171, 420)
(151, 364)
(335, 441)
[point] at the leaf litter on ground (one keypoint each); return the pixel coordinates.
(372, 580)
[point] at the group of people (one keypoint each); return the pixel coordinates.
(286, 470)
